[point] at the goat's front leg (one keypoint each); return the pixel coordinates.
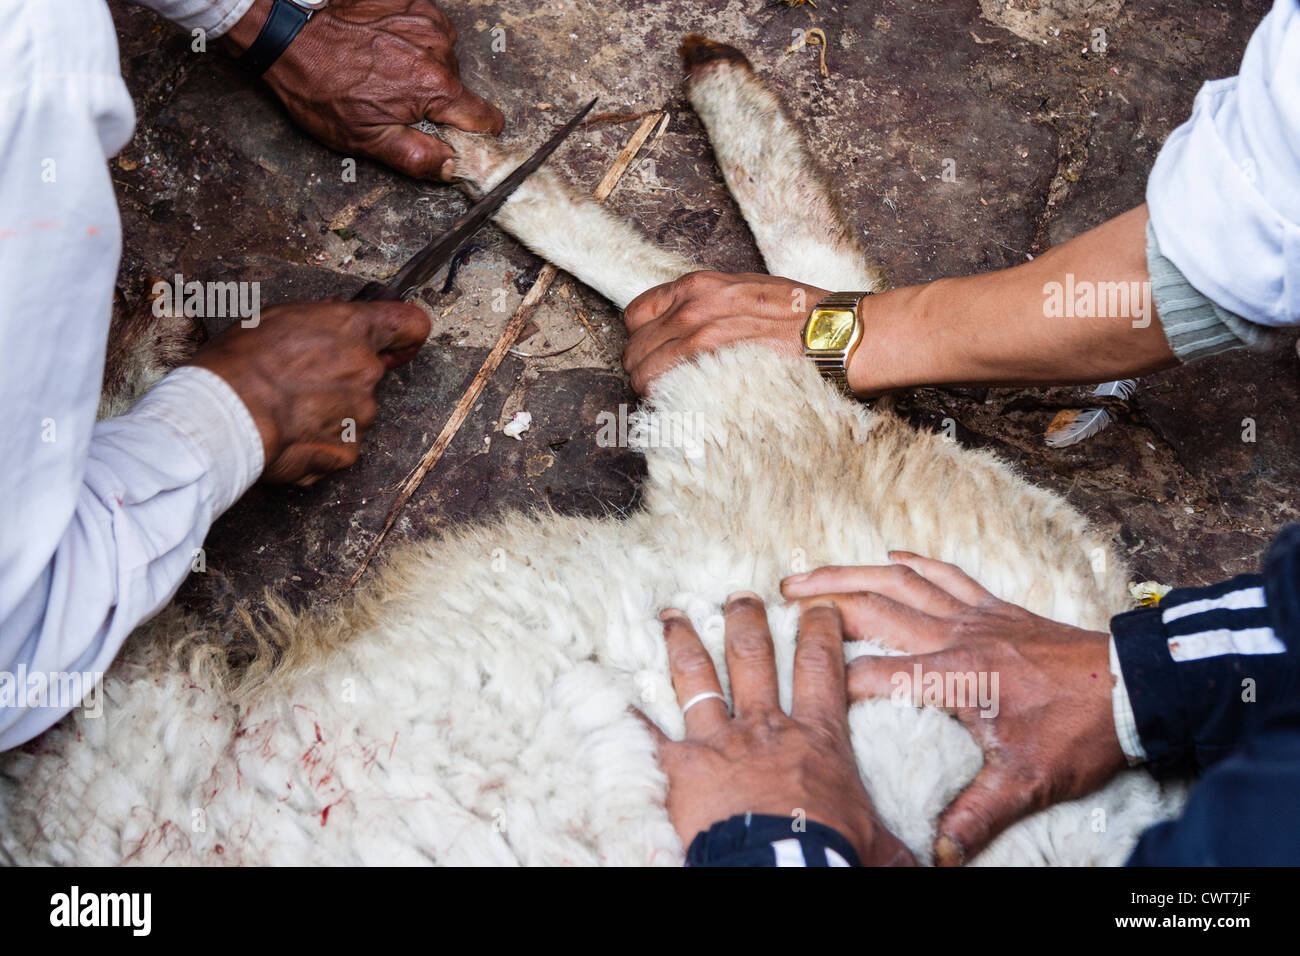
(566, 228)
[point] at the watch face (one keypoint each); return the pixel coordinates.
(829, 330)
(311, 4)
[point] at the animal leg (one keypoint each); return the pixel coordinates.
(572, 231)
(797, 221)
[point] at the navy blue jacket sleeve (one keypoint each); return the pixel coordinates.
(1210, 666)
(752, 839)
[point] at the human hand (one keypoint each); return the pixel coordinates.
(361, 71)
(762, 760)
(704, 311)
(1052, 733)
(306, 371)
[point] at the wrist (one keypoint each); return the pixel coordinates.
(241, 36)
(898, 345)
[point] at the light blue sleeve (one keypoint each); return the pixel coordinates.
(1224, 195)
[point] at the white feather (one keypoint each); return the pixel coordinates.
(1089, 421)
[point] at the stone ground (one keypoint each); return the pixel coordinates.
(1049, 137)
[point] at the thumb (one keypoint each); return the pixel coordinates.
(874, 675)
(470, 112)
(993, 801)
(410, 151)
(306, 462)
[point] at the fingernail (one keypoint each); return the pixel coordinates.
(795, 579)
(896, 555)
(948, 852)
(670, 613)
(448, 169)
(741, 596)
(818, 602)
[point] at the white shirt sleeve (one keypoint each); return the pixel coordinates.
(1224, 195)
(99, 523)
(214, 17)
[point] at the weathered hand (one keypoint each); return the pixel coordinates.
(1050, 734)
(704, 311)
(361, 71)
(762, 760)
(307, 374)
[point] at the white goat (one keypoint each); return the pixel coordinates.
(459, 712)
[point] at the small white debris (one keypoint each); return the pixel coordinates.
(516, 427)
(1148, 593)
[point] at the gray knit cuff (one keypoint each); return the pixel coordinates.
(1196, 327)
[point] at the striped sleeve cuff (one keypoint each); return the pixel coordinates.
(1194, 668)
(752, 839)
(1196, 327)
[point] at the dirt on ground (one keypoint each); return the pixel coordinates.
(1046, 115)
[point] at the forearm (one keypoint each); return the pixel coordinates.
(1025, 325)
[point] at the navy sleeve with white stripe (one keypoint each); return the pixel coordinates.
(752, 839)
(1209, 666)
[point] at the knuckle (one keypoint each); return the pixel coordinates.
(906, 576)
(705, 338)
(694, 283)
(692, 661)
(819, 658)
(751, 645)
(820, 617)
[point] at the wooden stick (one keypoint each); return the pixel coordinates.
(494, 359)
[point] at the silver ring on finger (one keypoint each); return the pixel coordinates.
(701, 697)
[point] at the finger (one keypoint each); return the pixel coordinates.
(646, 371)
(993, 801)
(395, 328)
(819, 692)
(468, 111)
(649, 305)
(649, 339)
(897, 581)
(947, 576)
(661, 740)
(751, 661)
(306, 463)
(871, 616)
(410, 151)
(693, 674)
(874, 675)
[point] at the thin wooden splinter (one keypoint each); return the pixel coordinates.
(494, 359)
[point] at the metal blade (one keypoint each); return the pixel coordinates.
(438, 253)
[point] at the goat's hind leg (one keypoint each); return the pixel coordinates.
(797, 221)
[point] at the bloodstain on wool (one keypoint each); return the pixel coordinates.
(325, 814)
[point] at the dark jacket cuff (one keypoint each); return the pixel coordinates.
(749, 840)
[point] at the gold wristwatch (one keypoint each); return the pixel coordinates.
(831, 335)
